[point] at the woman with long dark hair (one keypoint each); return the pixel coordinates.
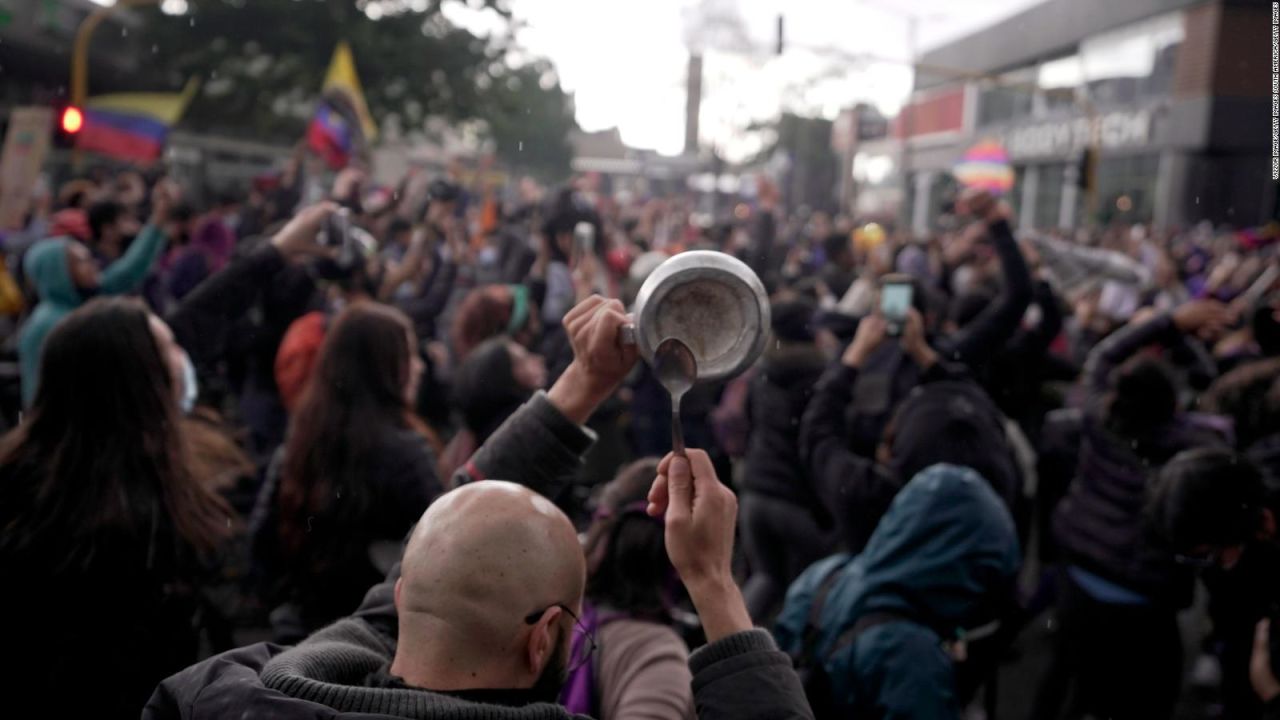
(105, 534)
(640, 668)
(357, 469)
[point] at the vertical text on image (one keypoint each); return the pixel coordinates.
(1275, 90)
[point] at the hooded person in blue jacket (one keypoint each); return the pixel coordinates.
(940, 561)
(66, 276)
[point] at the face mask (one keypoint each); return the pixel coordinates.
(190, 390)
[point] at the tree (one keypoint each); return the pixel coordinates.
(264, 61)
(530, 120)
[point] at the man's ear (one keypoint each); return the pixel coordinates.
(1267, 528)
(542, 641)
(399, 581)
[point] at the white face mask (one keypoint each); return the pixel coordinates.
(190, 389)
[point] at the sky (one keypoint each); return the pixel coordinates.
(625, 61)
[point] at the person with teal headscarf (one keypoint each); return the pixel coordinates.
(942, 560)
(65, 276)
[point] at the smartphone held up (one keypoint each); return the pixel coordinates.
(896, 295)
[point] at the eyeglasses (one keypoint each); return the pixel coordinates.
(584, 642)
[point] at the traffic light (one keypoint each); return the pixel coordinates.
(72, 120)
(68, 122)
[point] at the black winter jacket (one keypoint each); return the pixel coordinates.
(92, 641)
(779, 393)
(335, 568)
(1101, 525)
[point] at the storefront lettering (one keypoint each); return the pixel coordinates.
(1068, 137)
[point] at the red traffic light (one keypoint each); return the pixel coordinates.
(72, 120)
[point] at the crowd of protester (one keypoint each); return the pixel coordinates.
(387, 455)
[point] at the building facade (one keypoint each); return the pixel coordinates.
(1162, 105)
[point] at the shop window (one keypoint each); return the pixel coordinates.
(1009, 97)
(1048, 201)
(1059, 82)
(1126, 188)
(1133, 62)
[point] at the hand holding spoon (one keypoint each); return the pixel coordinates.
(676, 369)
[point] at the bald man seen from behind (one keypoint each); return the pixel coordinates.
(477, 620)
(481, 560)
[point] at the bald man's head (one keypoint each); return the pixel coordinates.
(482, 559)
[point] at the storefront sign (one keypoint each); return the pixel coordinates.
(1068, 138)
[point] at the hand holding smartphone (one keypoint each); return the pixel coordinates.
(896, 295)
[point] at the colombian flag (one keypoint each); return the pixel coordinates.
(330, 135)
(342, 124)
(132, 126)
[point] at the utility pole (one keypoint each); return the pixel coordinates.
(80, 56)
(80, 53)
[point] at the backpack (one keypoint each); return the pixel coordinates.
(580, 694)
(810, 665)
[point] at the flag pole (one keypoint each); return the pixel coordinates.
(80, 54)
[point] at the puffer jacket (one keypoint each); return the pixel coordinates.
(1101, 524)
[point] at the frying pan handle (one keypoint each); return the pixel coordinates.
(627, 334)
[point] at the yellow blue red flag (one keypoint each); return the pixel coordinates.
(132, 126)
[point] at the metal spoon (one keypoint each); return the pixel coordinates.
(676, 369)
